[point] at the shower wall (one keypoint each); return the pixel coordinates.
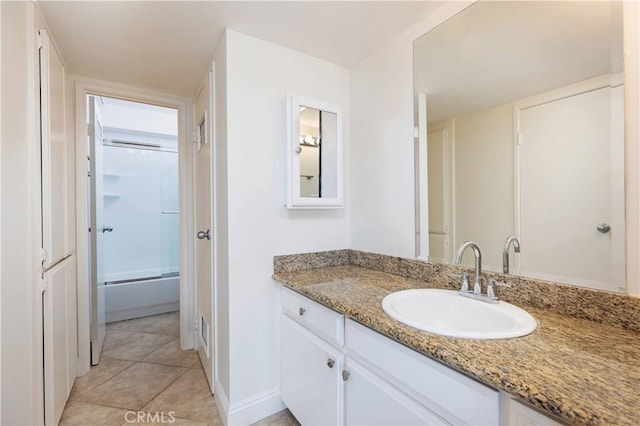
(141, 205)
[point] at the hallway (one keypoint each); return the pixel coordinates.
(144, 378)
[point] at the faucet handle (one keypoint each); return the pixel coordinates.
(491, 283)
(464, 281)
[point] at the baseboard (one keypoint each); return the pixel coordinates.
(249, 410)
(222, 401)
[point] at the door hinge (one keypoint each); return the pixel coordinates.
(43, 255)
(43, 285)
(195, 324)
(519, 138)
(40, 40)
(194, 136)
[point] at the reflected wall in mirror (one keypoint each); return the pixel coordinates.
(519, 108)
(314, 148)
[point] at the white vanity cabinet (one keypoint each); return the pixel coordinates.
(517, 414)
(452, 396)
(311, 382)
(370, 400)
(312, 360)
(337, 371)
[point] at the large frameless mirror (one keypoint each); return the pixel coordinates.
(519, 106)
(314, 151)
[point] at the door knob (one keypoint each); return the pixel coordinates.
(202, 235)
(106, 229)
(604, 228)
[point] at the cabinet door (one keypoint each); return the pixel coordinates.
(59, 320)
(311, 383)
(54, 154)
(370, 400)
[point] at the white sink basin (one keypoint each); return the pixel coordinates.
(447, 313)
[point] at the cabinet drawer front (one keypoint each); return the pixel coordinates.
(325, 322)
(370, 400)
(451, 395)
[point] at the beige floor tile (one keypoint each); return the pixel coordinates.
(81, 413)
(98, 374)
(281, 418)
(189, 397)
(134, 387)
(138, 348)
(117, 338)
(171, 354)
(167, 324)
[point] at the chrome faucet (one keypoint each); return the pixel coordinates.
(505, 252)
(477, 279)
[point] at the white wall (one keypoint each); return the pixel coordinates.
(382, 146)
(21, 334)
(221, 229)
(259, 75)
(139, 116)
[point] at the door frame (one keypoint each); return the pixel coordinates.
(84, 87)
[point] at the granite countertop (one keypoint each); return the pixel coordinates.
(580, 371)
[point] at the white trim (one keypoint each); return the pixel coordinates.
(255, 408)
(33, 135)
(423, 180)
(85, 86)
(214, 219)
(0, 218)
(222, 401)
(249, 410)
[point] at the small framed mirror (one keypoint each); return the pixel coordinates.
(314, 154)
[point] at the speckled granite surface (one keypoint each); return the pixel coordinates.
(580, 370)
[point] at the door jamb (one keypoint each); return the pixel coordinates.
(84, 87)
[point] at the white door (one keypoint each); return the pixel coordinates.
(203, 189)
(97, 230)
(571, 162)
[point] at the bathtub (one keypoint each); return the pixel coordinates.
(141, 298)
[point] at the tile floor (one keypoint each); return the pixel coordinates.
(144, 378)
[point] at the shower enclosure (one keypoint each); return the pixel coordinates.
(140, 240)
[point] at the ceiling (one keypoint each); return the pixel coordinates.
(167, 45)
(497, 52)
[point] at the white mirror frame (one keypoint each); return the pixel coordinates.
(294, 200)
